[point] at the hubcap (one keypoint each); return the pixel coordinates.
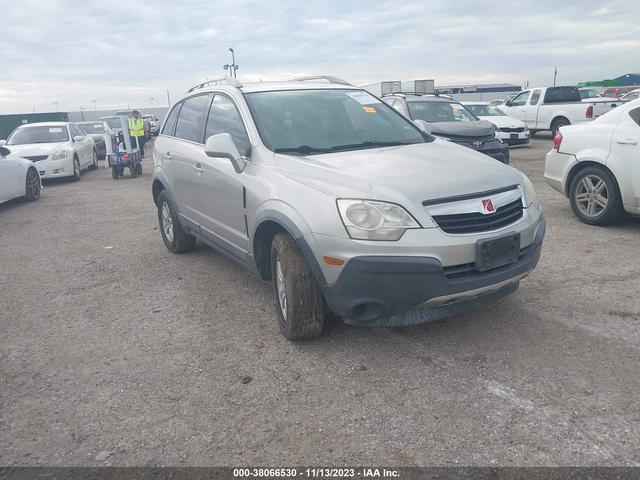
(282, 292)
(167, 222)
(592, 196)
(76, 168)
(95, 159)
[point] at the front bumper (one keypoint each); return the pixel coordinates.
(54, 168)
(373, 290)
(514, 139)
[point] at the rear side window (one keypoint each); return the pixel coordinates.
(189, 125)
(225, 118)
(535, 96)
(562, 95)
(635, 115)
(170, 124)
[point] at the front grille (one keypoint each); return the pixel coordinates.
(465, 270)
(37, 158)
(512, 130)
(478, 222)
(470, 140)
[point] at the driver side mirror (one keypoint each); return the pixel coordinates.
(424, 126)
(507, 103)
(4, 151)
(222, 145)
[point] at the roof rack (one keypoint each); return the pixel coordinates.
(328, 78)
(217, 81)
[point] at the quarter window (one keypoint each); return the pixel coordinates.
(170, 124)
(535, 96)
(635, 115)
(189, 125)
(224, 118)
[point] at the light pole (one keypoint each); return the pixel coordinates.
(233, 68)
(151, 100)
(95, 104)
(555, 75)
(56, 103)
(82, 112)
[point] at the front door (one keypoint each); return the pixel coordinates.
(220, 190)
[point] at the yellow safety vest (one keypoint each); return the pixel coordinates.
(136, 128)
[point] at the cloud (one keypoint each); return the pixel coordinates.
(121, 52)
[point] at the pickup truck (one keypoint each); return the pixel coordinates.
(550, 108)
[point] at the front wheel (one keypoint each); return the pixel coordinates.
(595, 198)
(94, 160)
(174, 237)
(114, 173)
(32, 190)
(76, 169)
(299, 302)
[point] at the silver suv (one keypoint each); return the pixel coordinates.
(342, 203)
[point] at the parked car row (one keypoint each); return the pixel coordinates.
(343, 202)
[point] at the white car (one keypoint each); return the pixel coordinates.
(58, 149)
(18, 177)
(632, 95)
(510, 130)
(597, 165)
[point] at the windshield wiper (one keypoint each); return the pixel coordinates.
(303, 150)
(369, 144)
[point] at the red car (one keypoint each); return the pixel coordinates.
(617, 92)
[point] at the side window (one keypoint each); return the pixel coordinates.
(189, 124)
(75, 131)
(635, 115)
(535, 96)
(170, 124)
(224, 118)
(520, 100)
(390, 101)
(399, 106)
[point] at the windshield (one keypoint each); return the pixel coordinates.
(485, 111)
(434, 112)
(26, 135)
(92, 127)
(322, 121)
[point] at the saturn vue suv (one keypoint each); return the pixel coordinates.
(342, 203)
(450, 120)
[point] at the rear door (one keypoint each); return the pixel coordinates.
(625, 145)
(220, 188)
(184, 154)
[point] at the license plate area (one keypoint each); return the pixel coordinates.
(497, 252)
(513, 136)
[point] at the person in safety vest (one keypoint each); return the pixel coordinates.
(136, 131)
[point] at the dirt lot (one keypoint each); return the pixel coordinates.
(115, 352)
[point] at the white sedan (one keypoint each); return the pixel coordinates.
(510, 130)
(58, 149)
(596, 165)
(18, 177)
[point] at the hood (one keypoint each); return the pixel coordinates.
(407, 174)
(504, 121)
(96, 136)
(481, 128)
(36, 149)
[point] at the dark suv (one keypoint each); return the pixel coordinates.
(446, 118)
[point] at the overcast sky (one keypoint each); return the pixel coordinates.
(120, 54)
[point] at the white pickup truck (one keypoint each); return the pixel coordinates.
(550, 108)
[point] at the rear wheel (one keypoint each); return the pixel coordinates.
(595, 198)
(557, 123)
(32, 190)
(299, 302)
(134, 171)
(174, 237)
(114, 173)
(94, 160)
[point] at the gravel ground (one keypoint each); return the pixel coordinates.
(115, 352)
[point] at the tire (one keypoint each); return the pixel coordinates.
(134, 171)
(557, 123)
(76, 169)
(114, 173)
(139, 167)
(94, 161)
(32, 187)
(298, 300)
(174, 237)
(595, 197)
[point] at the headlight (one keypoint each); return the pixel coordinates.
(529, 192)
(371, 220)
(59, 155)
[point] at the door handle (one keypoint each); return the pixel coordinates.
(627, 141)
(167, 155)
(198, 169)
